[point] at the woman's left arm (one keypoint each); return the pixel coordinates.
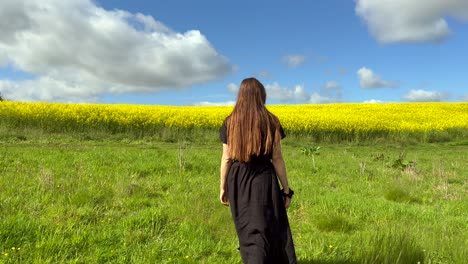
(225, 166)
(280, 169)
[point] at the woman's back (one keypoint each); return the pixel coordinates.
(251, 165)
(251, 130)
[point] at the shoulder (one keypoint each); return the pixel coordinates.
(281, 130)
(275, 120)
(223, 131)
(277, 124)
(225, 124)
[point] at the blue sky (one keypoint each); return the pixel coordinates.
(197, 52)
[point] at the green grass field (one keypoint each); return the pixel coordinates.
(77, 198)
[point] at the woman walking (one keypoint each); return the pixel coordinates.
(251, 165)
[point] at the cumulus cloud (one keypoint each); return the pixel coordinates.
(80, 51)
(206, 103)
(263, 74)
(47, 89)
(368, 79)
(3, 60)
(316, 98)
(294, 60)
(373, 101)
(410, 21)
(332, 85)
(330, 92)
(233, 88)
(297, 93)
(424, 96)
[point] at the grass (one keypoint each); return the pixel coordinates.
(95, 198)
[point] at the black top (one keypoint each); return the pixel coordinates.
(257, 208)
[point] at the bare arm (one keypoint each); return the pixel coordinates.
(280, 169)
(225, 166)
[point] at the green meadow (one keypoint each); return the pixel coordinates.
(99, 198)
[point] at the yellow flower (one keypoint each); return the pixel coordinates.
(6, 254)
(13, 248)
(186, 257)
(308, 118)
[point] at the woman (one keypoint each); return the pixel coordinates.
(251, 165)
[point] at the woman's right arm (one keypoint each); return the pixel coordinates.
(280, 169)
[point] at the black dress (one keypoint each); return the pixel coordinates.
(258, 211)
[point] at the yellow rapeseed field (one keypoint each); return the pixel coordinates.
(345, 117)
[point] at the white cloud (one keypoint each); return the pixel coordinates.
(424, 96)
(316, 98)
(297, 93)
(410, 20)
(263, 74)
(294, 60)
(368, 79)
(331, 92)
(3, 60)
(233, 88)
(374, 101)
(464, 98)
(278, 92)
(228, 103)
(330, 85)
(47, 89)
(80, 51)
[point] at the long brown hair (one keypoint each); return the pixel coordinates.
(251, 129)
